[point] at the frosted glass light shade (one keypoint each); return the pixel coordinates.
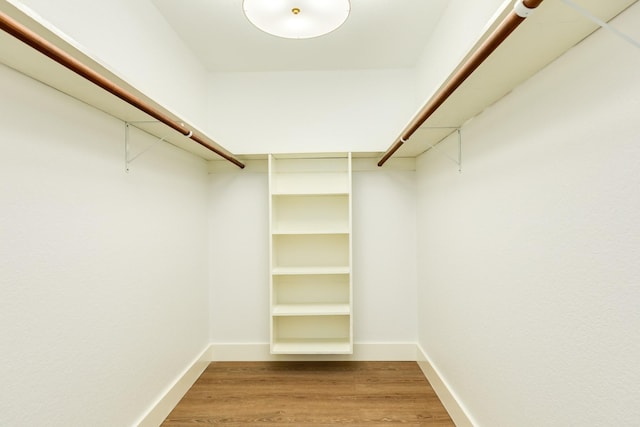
(297, 19)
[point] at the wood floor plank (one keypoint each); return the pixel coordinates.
(310, 393)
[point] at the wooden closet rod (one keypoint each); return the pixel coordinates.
(43, 46)
(520, 11)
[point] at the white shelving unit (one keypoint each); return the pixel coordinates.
(310, 225)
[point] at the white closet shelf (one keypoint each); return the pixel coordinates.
(287, 271)
(294, 192)
(552, 29)
(28, 61)
(289, 230)
(311, 310)
(324, 346)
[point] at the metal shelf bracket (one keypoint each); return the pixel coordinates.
(458, 160)
(601, 23)
(128, 159)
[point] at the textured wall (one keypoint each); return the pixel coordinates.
(103, 276)
(239, 257)
(311, 111)
(529, 280)
(384, 254)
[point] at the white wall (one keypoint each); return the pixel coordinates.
(133, 39)
(310, 112)
(384, 244)
(239, 256)
(529, 280)
(103, 275)
(384, 256)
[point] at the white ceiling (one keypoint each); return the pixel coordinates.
(377, 34)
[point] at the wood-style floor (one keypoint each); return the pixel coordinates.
(312, 394)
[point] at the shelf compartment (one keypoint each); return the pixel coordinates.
(310, 214)
(311, 289)
(311, 310)
(289, 271)
(318, 163)
(322, 250)
(311, 334)
(310, 183)
(311, 347)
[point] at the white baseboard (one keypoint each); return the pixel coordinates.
(452, 404)
(259, 352)
(175, 392)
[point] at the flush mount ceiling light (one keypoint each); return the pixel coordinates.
(297, 19)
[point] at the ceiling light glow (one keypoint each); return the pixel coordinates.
(297, 19)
